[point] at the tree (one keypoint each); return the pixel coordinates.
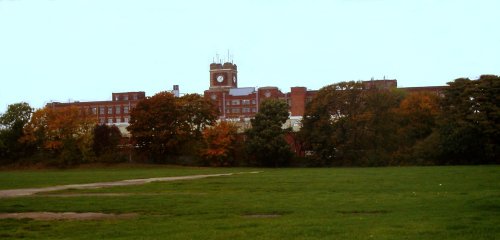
(327, 130)
(220, 144)
(418, 113)
(469, 127)
(18, 113)
(346, 124)
(155, 127)
(12, 123)
(197, 113)
(266, 141)
(106, 139)
(162, 125)
(64, 133)
(381, 138)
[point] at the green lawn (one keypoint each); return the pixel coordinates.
(335, 203)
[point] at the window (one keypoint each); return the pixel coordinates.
(235, 102)
(135, 96)
(102, 120)
(110, 120)
(253, 101)
(118, 120)
(94, 110)
(228, 111)
(101, 110)
(246, 110)
(254, 109)
(125, 97)
(228, 103)
(125, 109)
(118, 109)
(110, 110)
(125, 119)
(245, 102)
(235, 110)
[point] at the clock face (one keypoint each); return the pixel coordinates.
(234, 79)
(220, 78)
(267, 94)
(214, 97)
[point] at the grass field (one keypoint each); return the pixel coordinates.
(335, 203)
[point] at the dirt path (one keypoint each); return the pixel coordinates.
(66, 215)
(31, 191)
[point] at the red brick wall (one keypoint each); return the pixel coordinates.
(298, 101)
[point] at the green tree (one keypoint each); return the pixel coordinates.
(327, 127)
(469, 128)
(266, 138)
(196, 113)
(346, 124)
(12, 123)
(381, 138)
(106, 139)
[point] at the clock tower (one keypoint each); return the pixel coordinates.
(223, 75)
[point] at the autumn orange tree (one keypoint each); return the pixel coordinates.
(65, 133)
(220, 143)
(418, 113)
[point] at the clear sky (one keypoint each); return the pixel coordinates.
(67, 50)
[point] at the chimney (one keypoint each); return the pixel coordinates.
(176, 91)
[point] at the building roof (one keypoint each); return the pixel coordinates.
(241, 91)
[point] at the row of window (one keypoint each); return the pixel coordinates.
(237, 102)
(109, 110)
(114, 120)
(241, 110)
(240, 102)
(125, 97)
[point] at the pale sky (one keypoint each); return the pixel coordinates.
(69, 50)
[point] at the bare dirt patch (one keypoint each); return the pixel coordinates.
(85, 194)
(66, 215)
(31, 191)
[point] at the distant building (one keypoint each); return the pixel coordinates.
(116, 111)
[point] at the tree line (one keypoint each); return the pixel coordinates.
(346, 125)
(343, 125)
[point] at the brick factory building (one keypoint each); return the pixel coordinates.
(239, 103)
(116, 111)
(236, 104)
